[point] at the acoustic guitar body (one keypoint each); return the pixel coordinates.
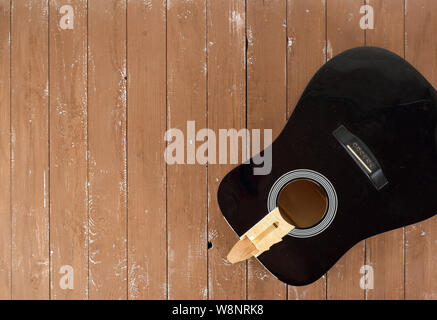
(364, 130)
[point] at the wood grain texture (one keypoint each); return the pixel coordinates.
(266, 104)
(107, 149)
(146, 34)
(30, 150)
(421, 238)
(385, 252)
(306, 45)
(5, 151)
(82, 119)
(186, 184)
(344, 32)
(68, 151)
(226, 109)
(306, 53)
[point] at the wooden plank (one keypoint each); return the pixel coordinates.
(68, 152)
(226, 109)
(385, 252)
(147, 276)
(107, 149)
(306, 52)
(306, 45)
(266, 104)
(344, 32)
(30, 150)
(421, 238)
(186, 183)
(5, 154)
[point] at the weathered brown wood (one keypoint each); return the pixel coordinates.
(68, 153)
(385, 252)
(47, 89)
(186, 184)
(421, 238)
(226, 109)
(306, 45)
(146, 34)
(306, 52)
(30, 150)
(266, 104)
(107, 149)
(344, 32)
(5, 154)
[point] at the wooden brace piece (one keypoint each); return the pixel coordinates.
(265, 233)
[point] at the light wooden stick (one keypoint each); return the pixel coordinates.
(265, 233)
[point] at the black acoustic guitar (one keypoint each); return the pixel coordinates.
(358, 157)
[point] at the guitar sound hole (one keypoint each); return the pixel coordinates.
(303, 203)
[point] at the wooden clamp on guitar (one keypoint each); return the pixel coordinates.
(302, 203)
(268, 231)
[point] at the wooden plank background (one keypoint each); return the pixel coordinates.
(146, 41)
(5, 151)
(29, 108)
(83, 114)
(68, 150)
(266, 104)
(226, 51)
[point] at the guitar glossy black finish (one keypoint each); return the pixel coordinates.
(384, 101)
